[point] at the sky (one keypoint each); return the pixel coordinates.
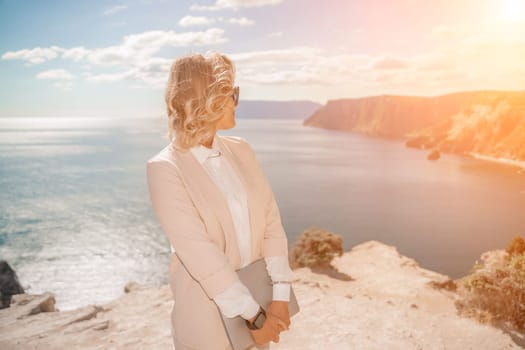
(105, 57)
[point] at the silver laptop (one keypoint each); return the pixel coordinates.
(256, 278)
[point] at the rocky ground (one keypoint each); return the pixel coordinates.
(386, 302)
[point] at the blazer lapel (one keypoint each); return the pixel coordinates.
(209, 199)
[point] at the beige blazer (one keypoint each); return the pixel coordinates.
(195, 217)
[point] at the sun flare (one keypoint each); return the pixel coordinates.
(514, 10)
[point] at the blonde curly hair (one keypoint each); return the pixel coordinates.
(198, 87)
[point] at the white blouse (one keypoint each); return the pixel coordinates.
(237, 299)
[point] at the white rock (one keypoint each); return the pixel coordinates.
(388, 306)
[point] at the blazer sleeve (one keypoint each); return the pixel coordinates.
(182, 224)
(275, 242)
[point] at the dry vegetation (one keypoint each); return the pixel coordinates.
(315, 248)
(494, 292)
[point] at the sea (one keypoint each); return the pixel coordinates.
(76, 220)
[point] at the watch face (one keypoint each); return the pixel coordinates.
(259, 321)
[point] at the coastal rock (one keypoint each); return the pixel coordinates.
(390, 303)
(433, 155)
(485, 123)
(26, 304)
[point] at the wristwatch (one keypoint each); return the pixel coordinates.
(258, 321)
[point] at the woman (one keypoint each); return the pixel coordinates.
(216, 206)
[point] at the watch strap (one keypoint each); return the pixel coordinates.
(251, 325)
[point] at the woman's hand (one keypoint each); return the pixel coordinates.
(279, 309)
(269, 331)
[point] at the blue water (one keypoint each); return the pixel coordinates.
(75, 217)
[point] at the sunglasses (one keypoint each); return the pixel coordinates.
(235, 95)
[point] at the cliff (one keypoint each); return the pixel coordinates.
(389, 303)
(485, 123)
(275, 109)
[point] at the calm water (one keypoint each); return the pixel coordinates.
(75, 217)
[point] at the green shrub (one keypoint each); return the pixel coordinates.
(494, 292)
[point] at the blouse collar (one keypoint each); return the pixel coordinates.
(202, 152)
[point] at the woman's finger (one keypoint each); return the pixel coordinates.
(277, 324)
(276, 338)
(282, 325)
(274, 315)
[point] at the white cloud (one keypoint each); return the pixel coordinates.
(286, 77)
(294, 66)
(55, 74)
(62, 79)
(147, 43)
(134, 49)
(234, 4)
(188, 21)
(295, 54)
(127, 75)
(135, 55)
(389, 63)
(151, 73)
(76, 53)
(114, 9)
(63, 85)
(297, 66)
(432, 61)
(445, 32)
(242, 21)
(477, 59)
(34, 56)
(275, 34)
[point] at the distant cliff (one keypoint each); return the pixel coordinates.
(275, 109)
(490, 123)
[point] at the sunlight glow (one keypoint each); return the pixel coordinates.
(514, 10)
